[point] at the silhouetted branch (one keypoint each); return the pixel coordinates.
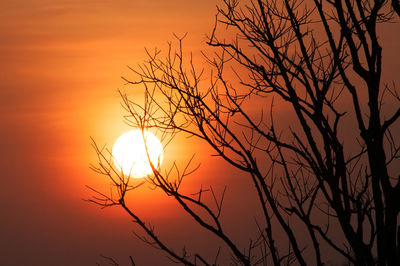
(323, 183)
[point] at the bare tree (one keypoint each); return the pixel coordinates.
(331, 173)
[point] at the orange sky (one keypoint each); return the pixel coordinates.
(60, 68)
(61, 63)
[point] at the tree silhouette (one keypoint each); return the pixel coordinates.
(331, 172)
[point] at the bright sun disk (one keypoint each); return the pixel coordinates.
(130, 156)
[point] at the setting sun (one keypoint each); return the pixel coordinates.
(130, 156)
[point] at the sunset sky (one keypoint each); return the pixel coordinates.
(61, 64)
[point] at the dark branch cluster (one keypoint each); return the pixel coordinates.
(328, 174)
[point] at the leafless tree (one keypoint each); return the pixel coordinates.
(332, 173)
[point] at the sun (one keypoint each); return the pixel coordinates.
(130, 156)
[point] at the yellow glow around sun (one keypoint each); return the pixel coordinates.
(130, 155)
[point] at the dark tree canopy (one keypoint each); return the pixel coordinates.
(333, 172)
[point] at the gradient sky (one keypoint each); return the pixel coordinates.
(60, 68)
